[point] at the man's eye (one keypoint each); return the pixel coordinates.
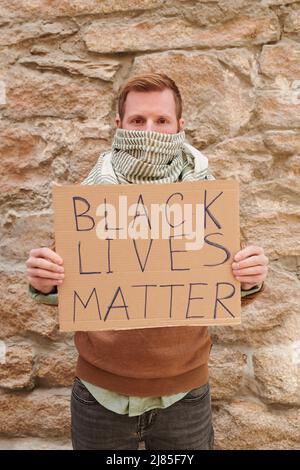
(137, 121)
(162, 121)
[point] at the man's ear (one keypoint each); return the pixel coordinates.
(180, 124)
(118, 121)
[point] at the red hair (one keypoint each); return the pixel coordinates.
(149, 82)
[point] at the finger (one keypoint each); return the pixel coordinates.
(250, 279)
(248, 251)
(44, 264)
(37, 272)
(253, 271)
(44, 282)
(251, 261)
(46, 253)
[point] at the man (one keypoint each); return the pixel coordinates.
(145, 384)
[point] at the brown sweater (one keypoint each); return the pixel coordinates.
(144, 362)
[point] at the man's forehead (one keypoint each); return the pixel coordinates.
(160, 102)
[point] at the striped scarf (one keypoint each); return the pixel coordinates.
(149, 157)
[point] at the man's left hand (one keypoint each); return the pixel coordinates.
(250, 266)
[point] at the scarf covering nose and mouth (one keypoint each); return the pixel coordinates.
(149, 157)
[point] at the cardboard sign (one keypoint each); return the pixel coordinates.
(144, 256)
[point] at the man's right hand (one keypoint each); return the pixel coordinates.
(44, 269)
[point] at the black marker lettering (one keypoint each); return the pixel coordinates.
(137, 214)
(171, 295)
(175, 251)
(111, 306)
(207, 211)
(82, 215)
(222, 298)
(138, 256)
(194, 298)
(80, 263)
(146, 295)
(105, 217)
(108, 256)
(228, 254)
(166, 213)
(85, 304)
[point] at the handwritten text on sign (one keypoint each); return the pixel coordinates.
(139, 256)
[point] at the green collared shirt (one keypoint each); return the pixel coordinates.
(133, 406)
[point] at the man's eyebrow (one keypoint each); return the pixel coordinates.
(143, 117)
(136, 116)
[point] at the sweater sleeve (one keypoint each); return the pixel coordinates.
(247, 296)
(254, 290)
(48, 299)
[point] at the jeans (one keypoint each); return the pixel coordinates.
(187, 424)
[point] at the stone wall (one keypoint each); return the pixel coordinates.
(237, 65)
